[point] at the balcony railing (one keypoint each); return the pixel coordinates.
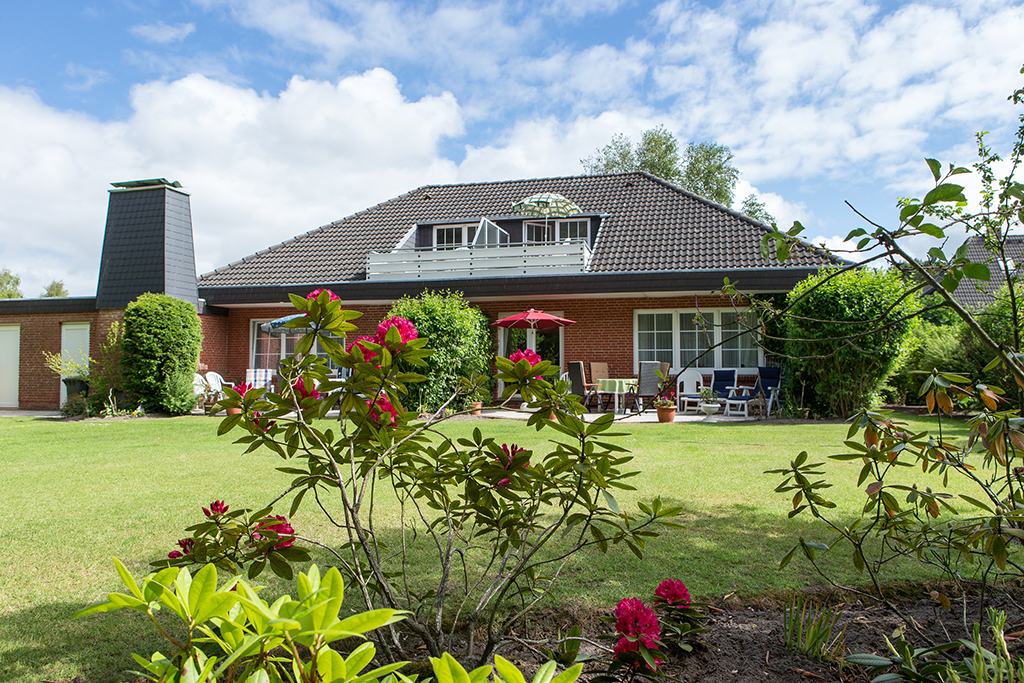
(507, 260)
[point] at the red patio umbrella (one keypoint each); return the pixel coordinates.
(533, 320)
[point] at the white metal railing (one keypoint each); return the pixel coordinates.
(508, 260)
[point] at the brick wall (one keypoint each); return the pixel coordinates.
(603, 329)
(38, 387)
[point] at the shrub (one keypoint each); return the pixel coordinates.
(931, 347)
(461, 339)
(160, 349)
(847, 333)
(486, 512)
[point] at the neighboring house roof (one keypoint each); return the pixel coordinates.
(975, 294)
(647, 225)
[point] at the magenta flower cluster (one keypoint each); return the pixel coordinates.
(300, 387)
(285, 532)
(242, 388)
(635, 623)
(217, 507)
(279, 525)
(405, 328)
(531, 357)
(316, 292)
(382, 411)
(674, 593)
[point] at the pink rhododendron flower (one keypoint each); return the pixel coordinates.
(506, 461)
(262, 422)
(285, 532)
(382, 412)
(186, 545)
(405, 328)
(242, 388)
(303, 391)
(367, 353)
(633, 618)
(674, 593)
(217, 507)
(316, 292)
(529, 355)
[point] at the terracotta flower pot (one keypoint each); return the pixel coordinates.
(666, 414)
(476, 408)
(234, 411)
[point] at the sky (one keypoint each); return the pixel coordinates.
(279, 116)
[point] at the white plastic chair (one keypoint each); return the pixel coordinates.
(688, 386)
(216, 383)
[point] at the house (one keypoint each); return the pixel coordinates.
(977, 294)
(634, 266)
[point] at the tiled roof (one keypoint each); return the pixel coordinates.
(649, 225)
(975, 294)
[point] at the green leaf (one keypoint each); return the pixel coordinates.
(508, 671)
(932, 229)
(612, 503)
(127, 579)
(204, 585)
(367, 621)
(869, 660)
(447, 670)
(947, 192)
(936, 168)
(570, 675)
(360, 657)
(545, 673)
(331, 666)
(977, 271)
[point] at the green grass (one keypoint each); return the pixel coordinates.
(78, 493)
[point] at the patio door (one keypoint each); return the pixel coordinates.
(74, 344)
(10, 352)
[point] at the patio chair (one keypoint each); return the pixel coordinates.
(578, 381)
(647, 385)
(599, 371)
(200, 389)
(723, 382)
(689, 382)
(216, 383)
(766, 388)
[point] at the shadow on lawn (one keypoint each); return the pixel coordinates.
(43, 643)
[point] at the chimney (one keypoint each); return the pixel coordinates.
(147, 245)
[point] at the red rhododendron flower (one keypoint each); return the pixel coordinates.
(285, 532)
(242, 388)
(261, 422)
(382, 412)
(186, 545)
(174, 554)
(316, 292)
(674, 593)
(217, 507)
(405, 328)
(633, 618)
(303, 391)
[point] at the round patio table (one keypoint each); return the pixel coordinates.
(618, 387)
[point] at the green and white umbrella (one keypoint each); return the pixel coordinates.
(547, 205)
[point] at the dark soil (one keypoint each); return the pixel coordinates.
(745, 642)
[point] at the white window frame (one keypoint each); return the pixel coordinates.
(467, 239)
(715, 317)
(585, 237)
(254, 330)
(531, 343)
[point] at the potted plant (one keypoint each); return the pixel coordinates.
(709, 401)
(666, 405)
(481, 396)
(74, 373)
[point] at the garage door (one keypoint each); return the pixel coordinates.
(10, 348)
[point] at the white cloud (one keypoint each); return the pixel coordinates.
(162, 33)
(87, 78)
(260, 168)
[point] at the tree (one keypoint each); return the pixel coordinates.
(160, 347)
(9, 285)
(657, 153)
(54, 289)
(709, 172)
(755, 208)
(706, 169)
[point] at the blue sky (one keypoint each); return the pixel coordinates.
(282, 115)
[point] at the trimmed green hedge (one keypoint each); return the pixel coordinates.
(160, 349)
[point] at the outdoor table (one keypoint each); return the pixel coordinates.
(618, 387)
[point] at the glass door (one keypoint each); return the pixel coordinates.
(546, 344)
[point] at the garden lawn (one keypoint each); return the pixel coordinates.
(76, 494)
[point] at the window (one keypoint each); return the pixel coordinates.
(267, 349)
(536, 232)
(696, 335)
(742, 351)
(576, 230)
(453, 236)
(680, 336)
(654, 331)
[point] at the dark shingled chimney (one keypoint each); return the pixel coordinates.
(147, 246)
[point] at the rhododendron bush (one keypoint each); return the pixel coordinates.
(485, 510)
